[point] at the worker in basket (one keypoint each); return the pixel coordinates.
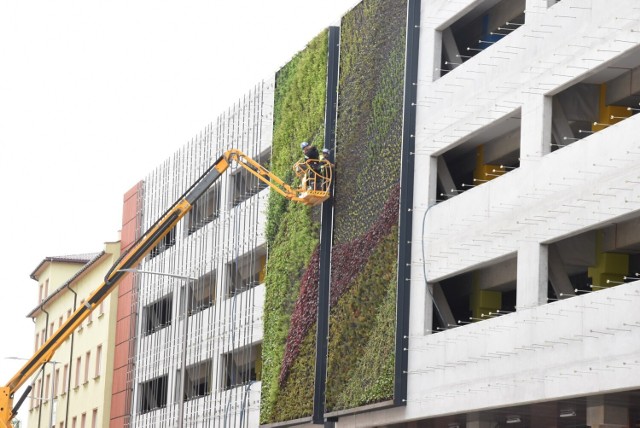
(312, 159)
(325, 168)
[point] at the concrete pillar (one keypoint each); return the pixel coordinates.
(536, 129)
(532, 277)
(601, 414)
(423, 197)
(431, 42)
(477, 420)
(535, 10)
(544, 415)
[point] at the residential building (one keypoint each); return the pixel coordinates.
(76, 383)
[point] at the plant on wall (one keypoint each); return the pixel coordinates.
(364, 254)
(292, 236)
(368, 159)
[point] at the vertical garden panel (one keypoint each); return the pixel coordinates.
(293, 237)
(361, 357)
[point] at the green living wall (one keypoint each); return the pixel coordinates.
(361, 355)
(288, 351)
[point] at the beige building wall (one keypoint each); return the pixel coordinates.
(79, 374)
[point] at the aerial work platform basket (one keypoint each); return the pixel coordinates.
(315, 177)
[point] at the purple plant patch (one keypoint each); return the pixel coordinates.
(347, 261)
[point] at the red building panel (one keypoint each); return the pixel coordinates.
(121, 357)
(125, 323)
(124, 298)
(120, 379)
(128, 232)
(118, 404)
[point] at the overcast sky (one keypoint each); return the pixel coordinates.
(95, 94)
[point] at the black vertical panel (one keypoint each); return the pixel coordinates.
(406, 201)
(326, 230)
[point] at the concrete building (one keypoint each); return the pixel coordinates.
(74, 388)
(525, 246)
(526, 220)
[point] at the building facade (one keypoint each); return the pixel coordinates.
(526, 218)
(195, 345)
(524, 237)
(74, 388)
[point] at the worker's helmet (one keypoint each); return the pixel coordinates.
(325, 151)
(303, 145)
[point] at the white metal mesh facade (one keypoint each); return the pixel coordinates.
(215, 257)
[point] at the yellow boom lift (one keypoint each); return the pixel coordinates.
(318, 172)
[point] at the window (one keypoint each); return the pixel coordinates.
(202, 293)
(83, 420)
(78, 365)
(46, 386)
(157, 315)
(98, 360)
(205, 210)
(43, 336)
(56, 381)
(60, 322)
(41, 293)
(153, 394)
(38, 392)
(594, 260)
(37, 342)
(73, 422)
(90, 317)
(86, 366)
(486, 155)
(46, 289)
(242, 366)
(61, 424)
(101, 309)
(51, 327)
(81, 324)
(601, 100)
(244, 184)
(478, 29)
(477, 295)
(68, 316)
(246, 272)
(65, 378)
(197, 383)
(94, 419)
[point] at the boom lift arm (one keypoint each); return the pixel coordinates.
(142, 247)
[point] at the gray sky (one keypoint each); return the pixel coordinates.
(95, 94)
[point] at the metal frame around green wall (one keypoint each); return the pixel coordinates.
(406, 201)
(326, 232)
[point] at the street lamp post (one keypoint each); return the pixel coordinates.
(53, 390)
(183, 362)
